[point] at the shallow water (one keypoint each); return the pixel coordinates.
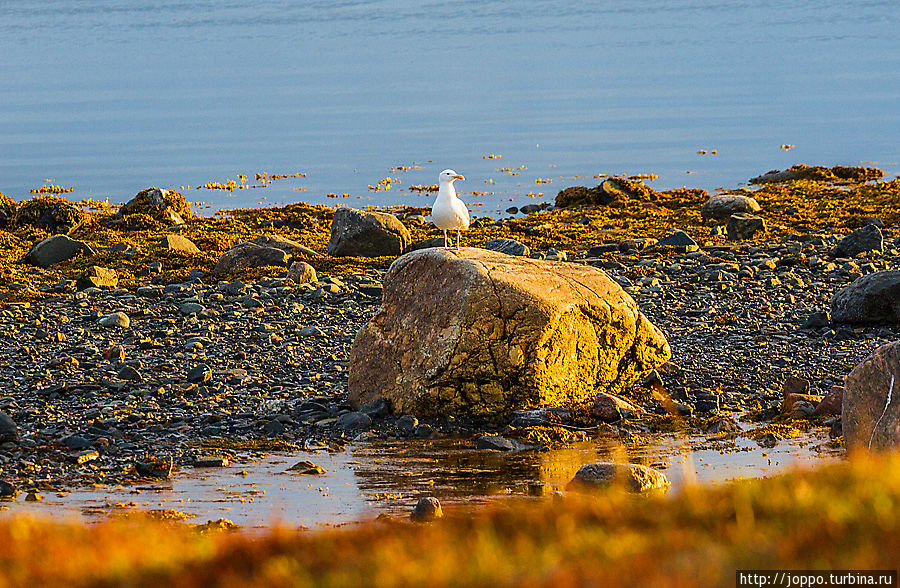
(371, 478)
(111, 97)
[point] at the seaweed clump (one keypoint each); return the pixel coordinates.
(7, 210)
(52, 214)
(164, 206)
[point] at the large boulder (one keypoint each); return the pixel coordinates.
(56, 249)
(868, 238)
(357, 233)
(250, 255)
(480, 332)
(870, 414)
(166, 206)
(721, 206)
(873, 298)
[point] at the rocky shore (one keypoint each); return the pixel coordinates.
(135, 353)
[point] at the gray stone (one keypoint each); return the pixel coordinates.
(116, 319)
(179, 243)
(634, 477)
(495, 443)
(426, 509)
(868, 238)
(250, 255)
(55, 249)
(355, 233)
(189, 308)
(508, 246)
(354, 421)
(9, 431)
(97, 277)
(817, 319)
(721, 206)
(874, 298)
(75, 442)
(744, 226)
(378, 408)
(7, 490)
(273, 427)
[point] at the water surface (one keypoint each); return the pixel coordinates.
(111, 97)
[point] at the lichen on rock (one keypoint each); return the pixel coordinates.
(482, 333)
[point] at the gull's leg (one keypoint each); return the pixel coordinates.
(457, 239)
(445, 240)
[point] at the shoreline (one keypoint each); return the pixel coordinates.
(275, 351)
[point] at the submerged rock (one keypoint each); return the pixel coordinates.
(634, 477)
(479, 332)
(870, 414)
(355, 233)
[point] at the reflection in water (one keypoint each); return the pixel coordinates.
(390, 476)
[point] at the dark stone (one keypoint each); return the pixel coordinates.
(598, 250)
(874, 298)
(75, 443)
(868, 238)
(273, 427)
(427, 244)
(250, 255)
(199, 374)
(126, 372)
(426, 509)
(154, 468)
(307, 468)
(508, 246)
(817, 319)
(355, 233)
(376, 409)
(7, 490)
(679, 240)
(9, 431)
(407, 424)
(354, 421)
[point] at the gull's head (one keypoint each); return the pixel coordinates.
(448, 175)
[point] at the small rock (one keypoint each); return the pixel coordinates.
(817, 320)
(97, 277)
(378, 408)
(75, 442)
(190, 308)
(744, 226)
(721, 206)
(426, 509)
(179, 243)
(635, 477)
(154, 468)
(609, 408)
(55, 249)
(679, 240)
(273, 427)
(495, 443)
(354, 421)
(831, 404)
(868, 238)
(250, 255)
(7, 490)
(794, 385)
(508, 246)
(33, 496)
(199, 374)
(307, 468)
(767, 440)
(9, 431)
(407, 424)
(127, 372)
(722, 426)
(116, 319)
(301, 272)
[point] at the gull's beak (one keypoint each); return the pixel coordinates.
(459, 177)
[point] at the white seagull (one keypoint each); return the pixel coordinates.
(448, 211)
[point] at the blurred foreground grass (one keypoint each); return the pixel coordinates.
(845, 515)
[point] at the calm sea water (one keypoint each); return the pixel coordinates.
(111, 97)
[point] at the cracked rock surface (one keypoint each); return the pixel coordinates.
(482, 333)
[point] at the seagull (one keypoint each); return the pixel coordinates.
(448, 211)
